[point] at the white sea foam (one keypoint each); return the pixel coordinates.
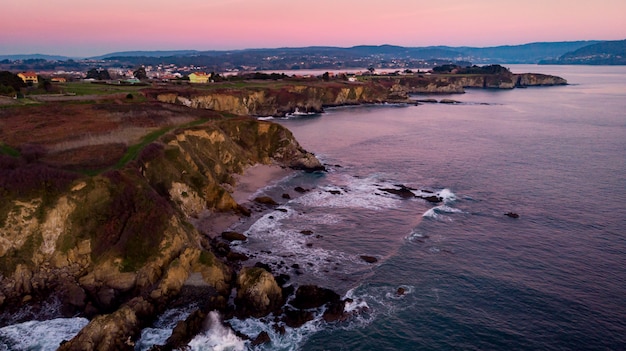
(40, 335)
(162, 329)
(439, 212)
(354, 192)
(291, 340)
(447, 195)
(216, 337)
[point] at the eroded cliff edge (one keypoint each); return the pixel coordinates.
(118, 247)
(288, 97)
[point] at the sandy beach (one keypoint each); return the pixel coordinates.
(247, 186)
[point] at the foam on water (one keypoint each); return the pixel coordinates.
(290, 340)
(162, 328)
(275, 238)
(438, 212)
(40, 335)
(447, 195)
(357, 193)
(216, 337)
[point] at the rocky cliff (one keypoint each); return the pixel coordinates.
(457, 83)
(281, 100)
(118, 246)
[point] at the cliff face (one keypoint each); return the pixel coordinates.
(120, 242)
(456, 83)
(313, 97)
(281, 100)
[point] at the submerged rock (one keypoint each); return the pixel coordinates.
(266, 200)
(262, 338)
(369, 259)
(403, 191)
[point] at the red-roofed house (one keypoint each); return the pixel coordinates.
(28, 77)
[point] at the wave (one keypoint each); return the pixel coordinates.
(162, 328)
(352, 192)
(216, 337)
(277, 238)
(40, 335)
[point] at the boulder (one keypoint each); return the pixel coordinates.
(369, 259)
(113, 331)
(431, 198)
(265, 200)
(312, 296)
(185, 330)
(335, 311)
(233, 236)
(262, 338)
(295, 318)
(257, 292)
(403, 191)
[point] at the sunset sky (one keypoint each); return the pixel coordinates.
(82, 28)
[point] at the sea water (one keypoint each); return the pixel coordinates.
(457, 274)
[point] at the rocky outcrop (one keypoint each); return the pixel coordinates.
(457, 83)
(279, 101)
(114, 331)
(117, 247)
(536, 79)
(314, 96)
(257, 292)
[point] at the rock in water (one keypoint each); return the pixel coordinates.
(262, 338)
(233, 236)
(311, 296)
(265, 200)
(257, 292)
(512, 215)
(369, 259)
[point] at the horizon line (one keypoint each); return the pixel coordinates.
(309, 46)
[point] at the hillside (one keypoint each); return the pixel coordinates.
(603, 53)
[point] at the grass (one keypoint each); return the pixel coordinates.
(7, 150)
(134, 150)
(81, 88)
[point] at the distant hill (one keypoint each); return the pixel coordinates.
(161, 53)
(526, 53)
(602, 53)
(34, 57)
(337, 58)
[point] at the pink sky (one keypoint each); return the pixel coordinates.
(95, 27)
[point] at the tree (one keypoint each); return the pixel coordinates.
(98, 73)
(140, 73)
(8, 79)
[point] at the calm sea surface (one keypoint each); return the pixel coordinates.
(470, 278)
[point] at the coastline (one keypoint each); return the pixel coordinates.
(250, 182)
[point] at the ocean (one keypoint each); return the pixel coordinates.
(458, 274)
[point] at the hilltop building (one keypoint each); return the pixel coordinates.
(199, 77)
(28, 77)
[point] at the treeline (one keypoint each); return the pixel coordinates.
(10, 83)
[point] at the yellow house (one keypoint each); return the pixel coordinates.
(199, 77)
(28, 77)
